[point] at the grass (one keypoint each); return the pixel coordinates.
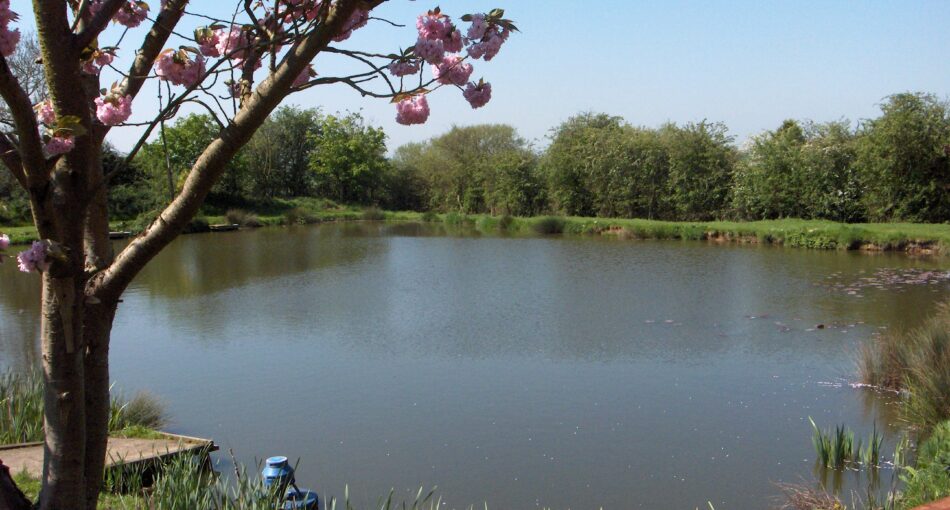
(21, 411)
(914, 362)
(817, 234)
(929, 480)
(185, 484)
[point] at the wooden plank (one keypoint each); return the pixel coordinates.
(943, 504)
(120, 450)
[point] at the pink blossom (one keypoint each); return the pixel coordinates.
(234, 87)
(59, 144)
(99, 60)
(207, 42)
(430, 50)
(437, 35)
(490, 44)
(6, 15)
(34, 259)
(403, 68)
(452, 71)
(414, 110)
(4, 242)
(433, 26)
(113, 109)
(178, 68)
(304, 76)
(357, 20)
(478, 28)
(453, 42)
(8, 40)
(131, 14)
(477, 95)
(45, 113)
(233, 43)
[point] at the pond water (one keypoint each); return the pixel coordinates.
(522, 372)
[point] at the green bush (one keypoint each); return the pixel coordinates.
(549, 225)
(373, 214)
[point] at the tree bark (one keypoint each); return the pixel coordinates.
(97, 327)
(64, 395)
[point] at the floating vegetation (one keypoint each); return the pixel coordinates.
(886, 279)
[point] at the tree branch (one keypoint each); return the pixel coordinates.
(98, 23)
(21, 109)
(211, 164)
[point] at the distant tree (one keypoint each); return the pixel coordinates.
(801, 170)
(348, 161)
(702, 161)
(769, 183)
(278, 156)
(485, 168)
(904, 160)
(566, 163)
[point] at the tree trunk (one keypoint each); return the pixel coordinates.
(97, 327)
(64, 395)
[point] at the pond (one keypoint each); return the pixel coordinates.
(522, 372)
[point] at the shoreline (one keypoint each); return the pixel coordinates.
(918, 239)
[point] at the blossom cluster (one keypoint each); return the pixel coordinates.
(36, 258)
(130, 14)
(97, 60)
(8, 38)
(439, 43)
(179, 68)
(60, 141)
(113, 108)
(413, 110)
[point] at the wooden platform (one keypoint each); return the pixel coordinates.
(943, 504)
(121, 451)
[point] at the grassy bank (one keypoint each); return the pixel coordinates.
(816, 234)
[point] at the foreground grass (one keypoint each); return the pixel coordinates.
(21, 411)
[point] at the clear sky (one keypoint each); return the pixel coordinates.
(749, 64)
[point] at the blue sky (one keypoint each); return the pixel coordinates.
(749, 64)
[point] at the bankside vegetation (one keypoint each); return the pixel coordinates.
(892, 168)
(21, 411)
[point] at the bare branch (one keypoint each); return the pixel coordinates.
(211, 164)
(98, 22)
(21, 109)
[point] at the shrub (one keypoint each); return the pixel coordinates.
(373, 214)
(549, 225)
(430, 216)
(299, 216)
(198, 224)
(505, 223)
(243, 218)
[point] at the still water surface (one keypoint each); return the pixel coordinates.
(559, 372)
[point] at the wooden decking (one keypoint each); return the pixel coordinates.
(943, 504)
(121, 451)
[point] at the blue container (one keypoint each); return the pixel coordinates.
(301, 499)
(277, 472)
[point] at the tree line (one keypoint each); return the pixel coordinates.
(895, 167)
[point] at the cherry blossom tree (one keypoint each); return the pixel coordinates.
(239, 65)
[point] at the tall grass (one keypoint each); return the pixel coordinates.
(837, 448)
(914, 362)
(21, 410)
